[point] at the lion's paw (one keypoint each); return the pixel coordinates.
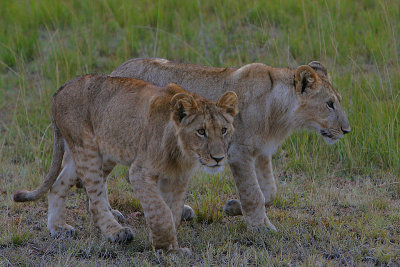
(233, 208)
(265, 228)
(62, 231)
(123, 235)
(187, 213)
(118, 215)
(271, 227)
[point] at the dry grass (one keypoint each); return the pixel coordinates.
(326, 221)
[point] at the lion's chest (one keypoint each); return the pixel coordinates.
(269, 148)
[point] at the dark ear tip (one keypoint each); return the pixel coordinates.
(317, 66)
(314, 62)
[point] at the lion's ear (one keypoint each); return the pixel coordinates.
(318, 67)
(182, 106)
(305, 78)
(229, 103)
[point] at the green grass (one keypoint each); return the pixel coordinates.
(336, 205)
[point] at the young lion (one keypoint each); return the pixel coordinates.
(163, 134)
(273, 103)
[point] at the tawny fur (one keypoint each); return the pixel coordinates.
(163, 134)
(273, 103)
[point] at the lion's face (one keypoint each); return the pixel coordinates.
(320, 105)
(204, 128)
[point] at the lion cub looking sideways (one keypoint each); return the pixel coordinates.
(163, 134)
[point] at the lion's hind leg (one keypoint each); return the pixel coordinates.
(108, 166)
(88, 162)
(56, 222)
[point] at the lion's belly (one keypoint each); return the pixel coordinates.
(116, 153)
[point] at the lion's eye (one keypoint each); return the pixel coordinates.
(330, 104)
(201, 132)
(223, 130)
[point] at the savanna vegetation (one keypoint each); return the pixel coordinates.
(336, 204)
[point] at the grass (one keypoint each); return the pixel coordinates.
(335, 205)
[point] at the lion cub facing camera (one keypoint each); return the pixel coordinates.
(163, 134)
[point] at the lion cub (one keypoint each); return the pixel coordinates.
(163, 134)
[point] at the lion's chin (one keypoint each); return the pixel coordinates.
(330, 141)
(213, 169)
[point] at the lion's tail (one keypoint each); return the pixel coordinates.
(58, 152)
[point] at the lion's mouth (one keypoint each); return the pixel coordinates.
(214, 166)
(217, 165)
(212, 169)
(329, 138)
(211, 166)
(326, 134)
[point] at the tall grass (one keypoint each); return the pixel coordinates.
(44, 43)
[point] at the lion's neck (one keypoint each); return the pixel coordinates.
(281, 106)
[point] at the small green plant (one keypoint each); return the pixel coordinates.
(208, 209)
(20, 238)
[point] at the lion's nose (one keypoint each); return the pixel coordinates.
(346, 131)
(217, 158)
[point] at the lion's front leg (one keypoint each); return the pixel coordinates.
(265, 177)
(252, 201)
(107, 167)
(157, 213)
(173, 193)
(266, 181)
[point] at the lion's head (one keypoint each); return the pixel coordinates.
(204, 128)
(319, 104)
